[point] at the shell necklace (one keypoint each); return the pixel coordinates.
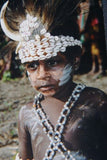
(55, 134)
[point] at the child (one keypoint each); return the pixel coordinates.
(66, 121)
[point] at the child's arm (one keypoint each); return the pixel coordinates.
(25, 148)
(103, 111)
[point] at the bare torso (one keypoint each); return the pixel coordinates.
(85, 131)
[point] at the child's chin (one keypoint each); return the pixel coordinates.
(48, 93)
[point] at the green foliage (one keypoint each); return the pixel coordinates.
(22, 69)
(12, 132)
(13, 158)
(6, 76)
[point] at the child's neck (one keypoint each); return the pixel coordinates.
(54, 105)
(65, 91)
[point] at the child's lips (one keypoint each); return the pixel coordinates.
(46, 87)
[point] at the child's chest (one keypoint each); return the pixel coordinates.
(74, 131)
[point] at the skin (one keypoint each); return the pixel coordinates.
(87, 122)
(53, 78)
(66, 75)
(48, 76)
(85, 132)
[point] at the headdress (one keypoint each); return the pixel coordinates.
(40, 27)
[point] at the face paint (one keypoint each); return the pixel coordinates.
(48, 75)
(28, 73)
(66, 75)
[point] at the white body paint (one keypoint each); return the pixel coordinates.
(28, 73)
(66, 75)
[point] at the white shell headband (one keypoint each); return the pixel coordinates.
(35, 43)
(42, 45)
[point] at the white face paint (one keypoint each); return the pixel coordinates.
(28, 73)
(66, 75)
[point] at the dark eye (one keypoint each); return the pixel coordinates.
(52, 62)
(32, 66)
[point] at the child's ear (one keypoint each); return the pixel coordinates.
(76, 63)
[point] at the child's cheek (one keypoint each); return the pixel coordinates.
(62, 75)
(28, 73)
(66, 75)
(56, 75)
(31, 78)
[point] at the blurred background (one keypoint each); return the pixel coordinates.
(15, 89)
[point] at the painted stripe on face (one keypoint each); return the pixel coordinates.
(28, 73)
(66, 75)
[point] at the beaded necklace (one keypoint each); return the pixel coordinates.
(55, 134)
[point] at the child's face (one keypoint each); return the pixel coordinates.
(47, 76)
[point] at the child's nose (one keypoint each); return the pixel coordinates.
(42, 72)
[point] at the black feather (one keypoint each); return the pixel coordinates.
(7, 49)
(51, 12)
(58, 16)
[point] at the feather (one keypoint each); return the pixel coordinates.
(57, 16)
(9, 47)
(51, 12)
(15, 14)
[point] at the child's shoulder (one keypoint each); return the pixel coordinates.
(93, 96)
(27, 106)
(25, 110)
(94, 101)
(95, 93)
